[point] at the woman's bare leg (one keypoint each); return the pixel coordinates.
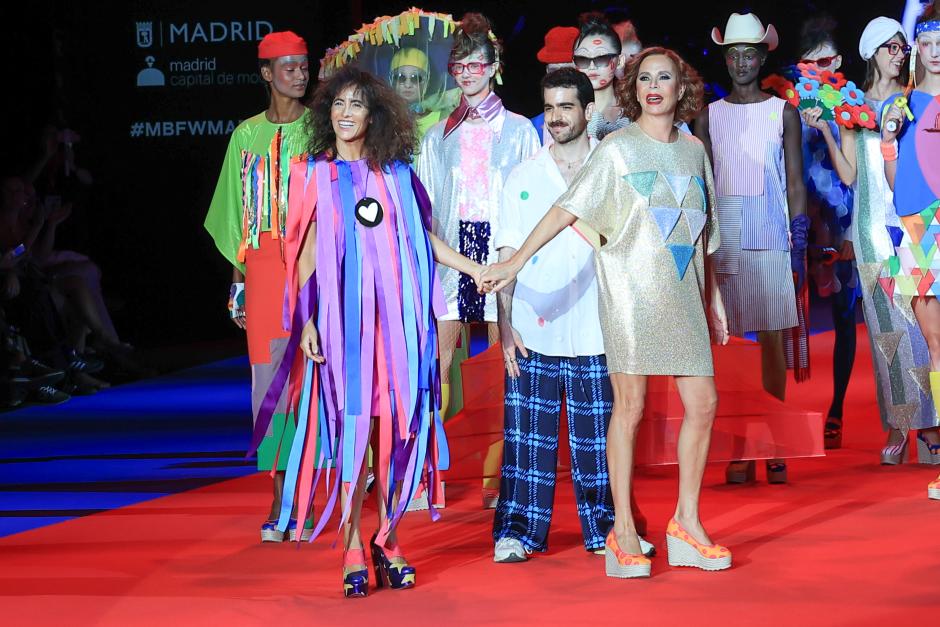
(773, 363)
(494, 454)
(352, 530)
(629, 397)
(927, 313)
(773, 367)
(447, 333)
(700, 401)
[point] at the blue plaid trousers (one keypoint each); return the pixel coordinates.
(530, 454)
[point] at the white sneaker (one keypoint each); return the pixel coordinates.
(509, 550)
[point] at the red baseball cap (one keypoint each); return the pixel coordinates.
(283, 43)
(559, 43)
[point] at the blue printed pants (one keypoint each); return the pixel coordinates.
(530, 454)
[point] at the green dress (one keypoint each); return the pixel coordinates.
(243, 196)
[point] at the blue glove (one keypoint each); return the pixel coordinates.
(799, 235)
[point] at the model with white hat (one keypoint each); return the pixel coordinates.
(754, 140)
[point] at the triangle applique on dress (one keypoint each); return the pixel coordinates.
(682, 255)
(666, 219)
(642, 182)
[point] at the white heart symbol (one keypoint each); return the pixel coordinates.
(368, 212)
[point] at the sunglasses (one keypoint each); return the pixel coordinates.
(400, 78)
(583, 63)
(474, 67)
(821, 62)
(894, 48)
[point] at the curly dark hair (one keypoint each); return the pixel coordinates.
(474, 34)
(690, 85)
(390, 136)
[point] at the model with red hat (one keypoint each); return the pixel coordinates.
(754, 141)
(247, 219)
(555, 54)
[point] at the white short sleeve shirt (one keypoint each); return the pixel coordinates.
(554, 305)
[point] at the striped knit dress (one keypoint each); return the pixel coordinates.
(753, 262)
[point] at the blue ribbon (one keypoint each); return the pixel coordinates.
(351, 295)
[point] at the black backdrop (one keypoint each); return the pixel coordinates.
(81, 63)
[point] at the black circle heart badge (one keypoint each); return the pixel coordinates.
(369, 212)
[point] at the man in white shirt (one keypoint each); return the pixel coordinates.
(552, 344)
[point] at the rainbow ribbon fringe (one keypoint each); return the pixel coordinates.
(375, 297)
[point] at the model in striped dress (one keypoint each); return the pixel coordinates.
(754, 141)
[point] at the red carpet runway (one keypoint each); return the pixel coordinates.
(847, 542)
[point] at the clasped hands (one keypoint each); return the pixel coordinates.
(494, 277)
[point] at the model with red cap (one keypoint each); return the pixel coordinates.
(247, 219)
(555, 54)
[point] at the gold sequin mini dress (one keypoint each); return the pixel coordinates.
(653, 205)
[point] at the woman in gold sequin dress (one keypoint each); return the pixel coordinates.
(647, 190)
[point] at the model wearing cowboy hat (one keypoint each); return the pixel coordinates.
(749, 135)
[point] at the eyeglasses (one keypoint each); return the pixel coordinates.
(400, 78)
(474, 67)
(583, 63)
(894, 48)
(821, 61)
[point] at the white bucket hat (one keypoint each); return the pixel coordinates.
(746, 29)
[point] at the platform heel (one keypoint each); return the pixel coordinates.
(624, 565)
(684, 550)
(395, 575)
(355, 582)
(927, 453)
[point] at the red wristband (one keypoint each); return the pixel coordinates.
(889, 151)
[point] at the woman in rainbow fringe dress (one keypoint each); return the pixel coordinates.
(364, 297)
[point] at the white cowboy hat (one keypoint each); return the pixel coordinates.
(746, 29)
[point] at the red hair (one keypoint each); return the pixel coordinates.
(690, 85)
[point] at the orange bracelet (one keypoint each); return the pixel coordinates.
(889, 151)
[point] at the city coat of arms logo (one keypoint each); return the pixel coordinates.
(144, 34)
